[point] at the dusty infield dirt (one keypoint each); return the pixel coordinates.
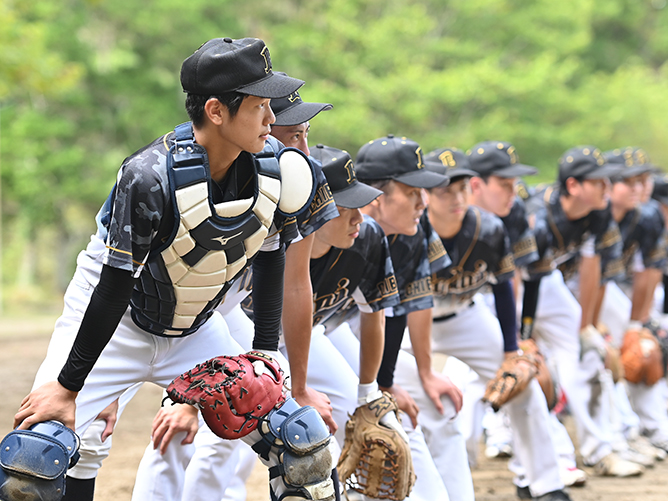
(23, 346)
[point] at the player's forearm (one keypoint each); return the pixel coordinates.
(372, 340)
(297, 320)
(419, 330)
(590, 282)
(644, 283)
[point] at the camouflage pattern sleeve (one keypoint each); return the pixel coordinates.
(521, 236)
(608, 244)
(139, 208)
(652, 239)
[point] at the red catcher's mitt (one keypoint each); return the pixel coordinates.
(641, 357)
(231, 392)
(511, 379)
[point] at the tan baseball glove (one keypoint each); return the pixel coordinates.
(511, 379)
(543, 375)
(376, 459)
(641, 357)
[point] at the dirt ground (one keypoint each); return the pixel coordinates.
(23, 346)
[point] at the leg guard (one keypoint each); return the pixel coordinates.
(33, 462)
(293, 442)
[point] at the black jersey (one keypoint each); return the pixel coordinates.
(522, 239)
(560, 240)
(415, 258)
(481, 255)
(361, 274)
(643, 231)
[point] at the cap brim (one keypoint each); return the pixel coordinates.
(274, 86)
(422, 178)
(515, 170)
(627, 172)
(356, 195)
(604, 171)
(300, 113)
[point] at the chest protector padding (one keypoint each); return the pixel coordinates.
(186, 279)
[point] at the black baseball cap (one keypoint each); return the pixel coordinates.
(397, 158)
(451, 162)
(291, 110)
(660, 191)
(340, 173)
(498, 158)
(585, 162)
(631, 161)
(225, 65)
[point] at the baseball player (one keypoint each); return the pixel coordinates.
(214, 467)
(642, 228)
(573, 232)
(493, 189)
(394, 165)
(189, 212)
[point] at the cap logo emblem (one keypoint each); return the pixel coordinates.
(447, 159)
(350, 171)
(293, 97)
(512, 154)
(267, 61)
(420, 163)
(628, 157)
(642, 157)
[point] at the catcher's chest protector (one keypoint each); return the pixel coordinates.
(211, 243)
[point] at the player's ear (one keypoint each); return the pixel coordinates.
(216, 111)
(572, 186)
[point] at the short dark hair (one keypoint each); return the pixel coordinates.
(195, 105)
(379, 184)
(563, 190)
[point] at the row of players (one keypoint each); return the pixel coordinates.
(371, 242)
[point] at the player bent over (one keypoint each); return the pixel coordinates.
(395, 165)
(464, 326)
(627, 303)
(189, 212)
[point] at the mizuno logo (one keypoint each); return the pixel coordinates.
(224, 240)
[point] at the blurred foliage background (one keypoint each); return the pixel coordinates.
(84, 83)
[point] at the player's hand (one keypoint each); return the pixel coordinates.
(436, 385)
(50, 401)
(109, 415)
(320, 402)
(171, 420)
(405, 402)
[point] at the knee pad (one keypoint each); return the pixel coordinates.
(33, 462)
(293, 442)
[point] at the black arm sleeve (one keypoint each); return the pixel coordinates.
(104, 312)
(505, 312)
(394, 334)
(268, 269)
(665, 293)
(529, 304)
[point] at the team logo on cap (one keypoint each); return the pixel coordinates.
(294, 97)
(350, 171)
(512, 154)
(420, 163)
(447, 159)
(267, 59)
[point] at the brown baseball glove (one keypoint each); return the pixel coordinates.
(641, 357)
(376, 460)
(511, 379)
(543, 375)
